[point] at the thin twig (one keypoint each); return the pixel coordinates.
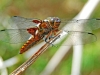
(30, 61)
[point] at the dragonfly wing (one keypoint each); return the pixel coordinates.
(78, 38)
(23, 23)
(86, 25)
(14, 35)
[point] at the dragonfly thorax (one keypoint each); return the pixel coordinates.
(48, 25)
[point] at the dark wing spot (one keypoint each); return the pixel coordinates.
(91, 33)
(15, 16)
(2, 30)
(98, 19)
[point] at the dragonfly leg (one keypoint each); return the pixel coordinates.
(51, 37)
(48, 36)
(53, 34)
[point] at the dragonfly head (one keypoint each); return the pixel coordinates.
(54, 21)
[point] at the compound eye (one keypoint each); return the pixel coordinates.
(57, 20)
(52, 20)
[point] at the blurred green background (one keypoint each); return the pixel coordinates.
(42, 9)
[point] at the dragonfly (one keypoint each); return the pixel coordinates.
(33, 30)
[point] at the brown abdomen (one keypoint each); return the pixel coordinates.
(32, 41)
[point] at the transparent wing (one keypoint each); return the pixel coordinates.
(81, 29)
(14, 35)
(86, 25)
(22, 23)
(77, 38)
(16, 30)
